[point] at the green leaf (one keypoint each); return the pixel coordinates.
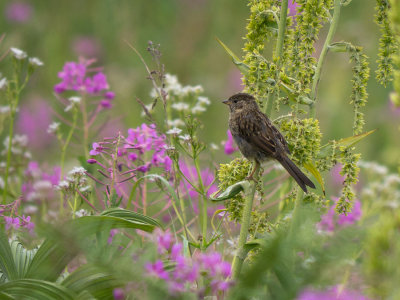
(131, 216)
(36, 289)
(317, 175)
(63, 245)
(93, 280)
(345, 142)
(7, 263)
(339, 47)
(241, 66)
(232, 191)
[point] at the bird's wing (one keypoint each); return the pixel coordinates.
(257, 130)
(281, 139)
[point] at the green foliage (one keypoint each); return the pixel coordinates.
(387, 43)
(394, 15)
(382, 255)
(350, 171)
(229, 174)
(303, 137)
(359, 82)
(312, 14)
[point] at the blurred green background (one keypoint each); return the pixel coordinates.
(61, 31)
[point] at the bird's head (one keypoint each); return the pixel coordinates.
(240, 101)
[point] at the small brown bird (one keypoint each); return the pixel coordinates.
(258, 139)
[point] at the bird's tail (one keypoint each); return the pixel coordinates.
(296, 173)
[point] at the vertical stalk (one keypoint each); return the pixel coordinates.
(204, 205)
(10, 136)
(244, 226)
(85, 128)
(328, 40)
(64, 151)
(278, 51)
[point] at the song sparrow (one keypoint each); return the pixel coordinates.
(258, 139)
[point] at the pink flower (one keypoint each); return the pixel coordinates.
(157, 270)
(118, 294)
(18, 12)
(12, 223)
(292, 5)
(97, 149)
(330, 221)
(229, 147)
(86, 46)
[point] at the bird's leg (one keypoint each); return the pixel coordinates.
(250, 177)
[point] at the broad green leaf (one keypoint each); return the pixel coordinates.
(131, 216)
(93, 280)
(232, 191)
(241, 66)
(317, 175)
(63, 245)
(36, 289)
(345, 142)
(7, 263)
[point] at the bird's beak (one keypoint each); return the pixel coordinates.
(225, 102)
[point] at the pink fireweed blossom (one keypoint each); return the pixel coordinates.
(188, 270)
(331, 220)
(229, 144)
(18, 12)
(76, 77)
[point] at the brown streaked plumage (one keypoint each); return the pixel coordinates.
(258, 139)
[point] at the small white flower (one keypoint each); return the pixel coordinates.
(81, 213)
(185, 137)
(85, 189)
(4, 109)
(53, 127)
(203, 100)
(175, 123)
(3, 83)
(192, 89)
(174, 130)
(18, 54)
(198, 109)
(42, 185)
(77, 171)
(35, 61)
(62, 185)
(73, 101)
(214, 146)
(180, 106)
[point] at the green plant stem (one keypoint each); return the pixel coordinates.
(10, 135)
(325, 48)
(85, 128)
(204, 205)
(244, 226)
(282, 29)
(64, 151)
(295, 214)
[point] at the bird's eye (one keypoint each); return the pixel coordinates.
(235, 101)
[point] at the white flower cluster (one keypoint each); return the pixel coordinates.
(53, 128)
(3, 82)
(73, 102)
(19, 146)
(380, 187)
(21, 55)
(76, 180)
(185, 98)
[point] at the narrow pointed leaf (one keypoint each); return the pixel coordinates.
(131, 216)
(232, 191)
(345, 142)
(241, 66)
(317, 175)
(7, 264)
